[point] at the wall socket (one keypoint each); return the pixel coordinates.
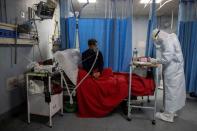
(22, 13)
(15, 82)
(21, 80)
(11, 83)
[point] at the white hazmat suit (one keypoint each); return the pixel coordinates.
(173, 73)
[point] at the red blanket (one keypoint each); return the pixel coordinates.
(98, 97)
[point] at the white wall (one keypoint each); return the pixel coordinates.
(140, 25)
(164, 23)
(10, 99)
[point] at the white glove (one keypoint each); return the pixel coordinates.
(153, 60)
(32, 65)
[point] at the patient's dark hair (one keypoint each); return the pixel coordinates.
(92, 42)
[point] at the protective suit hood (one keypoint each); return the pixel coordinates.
(159, 36)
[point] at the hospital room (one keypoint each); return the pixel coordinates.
(98, 65)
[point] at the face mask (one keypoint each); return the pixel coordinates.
(157, 46)
(95, 49)
(158, 43)
(92, 50)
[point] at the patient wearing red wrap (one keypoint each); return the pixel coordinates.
(88, 58)
(98, 97)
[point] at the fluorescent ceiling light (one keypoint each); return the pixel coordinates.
(149, 1)
(85, 1)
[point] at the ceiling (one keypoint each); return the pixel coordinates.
(98, 8)
(165, 10)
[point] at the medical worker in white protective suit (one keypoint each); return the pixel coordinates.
(173, 73)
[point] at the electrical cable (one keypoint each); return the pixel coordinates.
(67, 88)
(172, 20)
(164, 4)
(74, 90)
(1, 15)
(83, 7)
(88, 58)
(147, 3)
(5, 9)
(19, 53)
(37, 37)
(97, 53)
(11, 56)
(77, 16)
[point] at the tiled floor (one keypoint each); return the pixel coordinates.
(187, 121)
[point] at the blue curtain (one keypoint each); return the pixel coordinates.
(63, 33)
(152, 24)
(70, 24)
(188, 38)
(110, 25)
(113, 36)
(63, 10)
(68, 34)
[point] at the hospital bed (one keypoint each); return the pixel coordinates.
(89, 89)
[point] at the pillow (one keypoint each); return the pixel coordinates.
(68, 60)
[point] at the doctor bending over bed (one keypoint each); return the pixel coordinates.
(173, 73)
(88, 58)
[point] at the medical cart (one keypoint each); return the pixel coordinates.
(36, 103)
(130, 105)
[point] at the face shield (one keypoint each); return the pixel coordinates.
(157, 43)
(155, 36)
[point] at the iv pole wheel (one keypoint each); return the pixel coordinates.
(153, 122)
(129, 119)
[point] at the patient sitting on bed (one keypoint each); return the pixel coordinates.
(88, 58)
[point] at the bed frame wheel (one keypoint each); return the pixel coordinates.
(129, 119)
(153, 122)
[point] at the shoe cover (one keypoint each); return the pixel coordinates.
(175, 115)
(165, 116)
